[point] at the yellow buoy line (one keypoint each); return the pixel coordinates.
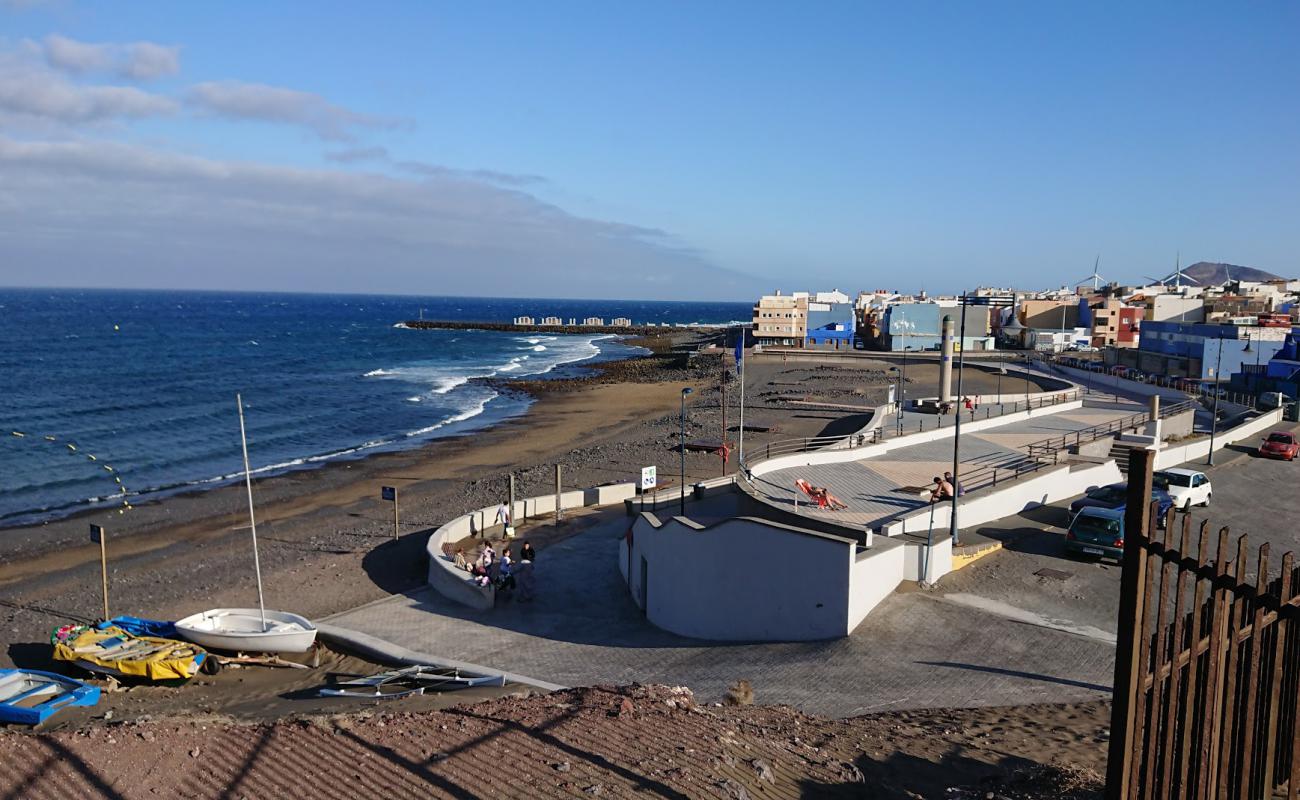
(75, 450)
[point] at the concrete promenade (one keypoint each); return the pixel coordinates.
(880, 488)
(918, 649)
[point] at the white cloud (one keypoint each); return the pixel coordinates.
(352, 155)
(43, 94)
(91, 213)
(257, 101)
(134, 60)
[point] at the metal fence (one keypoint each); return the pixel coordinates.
(1053, 445)
(1207, 664)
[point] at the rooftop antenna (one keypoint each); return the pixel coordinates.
(1094, 277)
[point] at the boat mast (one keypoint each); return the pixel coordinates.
(252, 521)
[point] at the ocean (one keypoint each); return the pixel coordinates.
(140, 386)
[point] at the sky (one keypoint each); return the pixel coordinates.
(659, 150)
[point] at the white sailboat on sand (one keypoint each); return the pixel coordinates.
(249, 630)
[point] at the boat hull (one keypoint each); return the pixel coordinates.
(240, 630)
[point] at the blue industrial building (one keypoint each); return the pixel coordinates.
(1203, 351)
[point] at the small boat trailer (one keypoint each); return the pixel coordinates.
(408, 681)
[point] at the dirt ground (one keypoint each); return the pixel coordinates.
(241, 693)
(590, 742)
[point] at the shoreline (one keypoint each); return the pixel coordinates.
(523, 392)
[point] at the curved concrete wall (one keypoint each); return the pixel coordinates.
(454, 584)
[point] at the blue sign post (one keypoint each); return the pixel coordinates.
(389, 493)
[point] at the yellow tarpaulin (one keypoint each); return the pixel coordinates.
(117, 652)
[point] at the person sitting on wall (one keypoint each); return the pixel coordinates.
(954, 483)
(461, 562)
(942, 490)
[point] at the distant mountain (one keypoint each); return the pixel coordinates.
(1209, 273)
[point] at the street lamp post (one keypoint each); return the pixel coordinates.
(1214, 422)
(682, 506)
(956, 433)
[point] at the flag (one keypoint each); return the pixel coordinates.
(740, 352)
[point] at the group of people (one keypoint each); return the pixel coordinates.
(971, 404)
(502, 571)
(945, 488)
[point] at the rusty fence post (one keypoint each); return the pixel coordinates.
(1132, 610)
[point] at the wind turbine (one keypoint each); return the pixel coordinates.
(1176, 277)
(1094, 277)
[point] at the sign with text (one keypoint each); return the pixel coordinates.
(648, 478)
(389, 493)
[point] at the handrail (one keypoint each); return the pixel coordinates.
(1052, 445)
(888, 429)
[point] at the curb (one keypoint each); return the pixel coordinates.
(974, 554)
(374, 647)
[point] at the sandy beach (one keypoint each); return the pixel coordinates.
(326, 537)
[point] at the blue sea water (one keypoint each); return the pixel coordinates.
(146, 382)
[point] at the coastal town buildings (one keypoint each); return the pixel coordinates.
(781, 319)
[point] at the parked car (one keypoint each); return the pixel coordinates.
(1279, 444)
(1271, 400)
(1115, 497)
(1097, 532)
(1186, 486)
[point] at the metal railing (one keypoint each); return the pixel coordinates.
(1052, 446)
(1182, 384)
(894, 428)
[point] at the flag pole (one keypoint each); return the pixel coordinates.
(740, 375)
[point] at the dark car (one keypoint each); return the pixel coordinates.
(1096, 532)
(1115, 496)
(1279, 444)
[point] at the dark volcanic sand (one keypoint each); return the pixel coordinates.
(326, 540)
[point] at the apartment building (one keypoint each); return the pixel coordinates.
(781, 319)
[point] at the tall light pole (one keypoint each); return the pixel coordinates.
(682, 506)
(956, 433)
(1214, 423)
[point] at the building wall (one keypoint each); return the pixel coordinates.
(781, 319)
(914, 325)
(1173, 307)
(1047, 314)
(1197, 350)
(1116, 325)
(742, 579)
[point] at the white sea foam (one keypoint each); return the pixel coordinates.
(380, 373)
(539, 348)
(469, 413)
(403, 326)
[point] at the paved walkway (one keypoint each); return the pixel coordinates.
(881, 488)
(918, 649)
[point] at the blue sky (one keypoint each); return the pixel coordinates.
(663, 149)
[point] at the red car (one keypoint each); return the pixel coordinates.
(1279, 444)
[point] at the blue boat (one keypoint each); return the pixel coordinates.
(29, 697)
